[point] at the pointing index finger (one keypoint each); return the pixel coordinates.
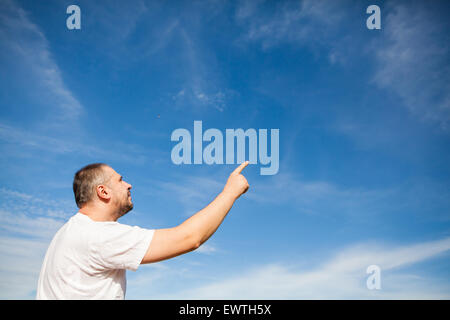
(239, 169)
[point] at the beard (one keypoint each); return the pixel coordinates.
(124, 205)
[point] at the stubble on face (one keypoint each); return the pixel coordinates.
(122, 198)
(125, 205)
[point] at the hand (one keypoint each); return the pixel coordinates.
(237, 184)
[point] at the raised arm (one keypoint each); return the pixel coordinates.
(192, 233)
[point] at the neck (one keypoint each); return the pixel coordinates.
(98, 213)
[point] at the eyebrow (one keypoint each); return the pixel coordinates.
(121, 177)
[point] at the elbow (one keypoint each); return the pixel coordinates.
(196, 245)
(191, 238)
(195, 242)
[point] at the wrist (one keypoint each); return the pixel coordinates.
(228, 195)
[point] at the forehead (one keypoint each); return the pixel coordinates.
(111, 173)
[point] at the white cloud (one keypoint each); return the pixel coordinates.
(20, 265)
(26, 43)
(27, 224)
(413, 198)
(202, 86)
(411, 51)
(301, 22)
(116, 18)
(206, 249)
(27, 54)
(26, 138)
(162, 38)
(32, 216)
(341, 277)
(16, 140)
(320, 197)
(197, 97)
(192, 192)
(413, 60)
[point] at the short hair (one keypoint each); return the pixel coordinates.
(86, 180)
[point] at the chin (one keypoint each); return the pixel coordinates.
(125, 209)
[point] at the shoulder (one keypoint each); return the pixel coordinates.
(110, 233)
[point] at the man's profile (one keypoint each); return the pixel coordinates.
(89, 255)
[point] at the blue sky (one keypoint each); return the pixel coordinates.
(364, 120)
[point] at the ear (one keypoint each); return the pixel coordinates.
(103, 192)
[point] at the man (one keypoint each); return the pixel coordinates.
(88, 256)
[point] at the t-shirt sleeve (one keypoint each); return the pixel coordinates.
(120, 246)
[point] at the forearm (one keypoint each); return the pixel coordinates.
(204, 223)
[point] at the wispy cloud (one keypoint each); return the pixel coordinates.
(29, 139)
(21, 261)
(116, 18)
(414, 198)
(196, 95)
(16, 140)
(319, 197)
(27, 224)
(202, 86)
(206, 249)
(192, 192)
(341, 277)
(423, 197)
(411, 54)
(301, 22)
(413, 60)
(22, 39)
(31, 215)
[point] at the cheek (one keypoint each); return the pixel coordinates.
(118, 195)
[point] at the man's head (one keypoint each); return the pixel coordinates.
(98, 182)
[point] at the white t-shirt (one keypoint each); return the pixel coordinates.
(88, 259)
